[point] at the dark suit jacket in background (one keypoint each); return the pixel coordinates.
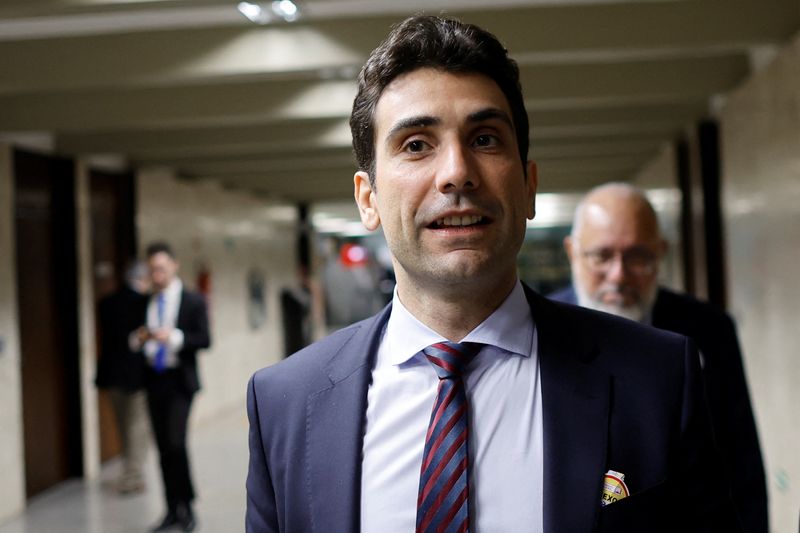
(616, 395)
(118, 314)
(192, 320)
(714, 334)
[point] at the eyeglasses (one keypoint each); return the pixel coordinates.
(637, 260)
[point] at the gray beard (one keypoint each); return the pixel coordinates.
(638, 311)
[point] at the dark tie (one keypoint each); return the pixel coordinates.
(443, 501)
(159, 364)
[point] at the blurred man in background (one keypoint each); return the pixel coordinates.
(615, 249)
(120, 372)
(174, 327)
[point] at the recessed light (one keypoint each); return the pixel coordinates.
(254, 13)
(265, 13)
(286, 9)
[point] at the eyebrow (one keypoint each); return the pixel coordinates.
(491, 113)
(420, 121)
(424, 121)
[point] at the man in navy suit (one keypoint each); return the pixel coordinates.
(471, 403)
(615, 250)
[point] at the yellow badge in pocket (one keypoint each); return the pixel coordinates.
(614, 488)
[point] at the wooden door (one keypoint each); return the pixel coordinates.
(48, 303)
(113, 247)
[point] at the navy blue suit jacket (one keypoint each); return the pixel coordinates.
(714, 333)
(615, 395)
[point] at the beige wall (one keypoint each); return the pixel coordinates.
(12, 480)
(231, 232)
(761, 204)
(658, 178)
(87, 362)
(228, 231)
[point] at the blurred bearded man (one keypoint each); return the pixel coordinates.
(615, 250)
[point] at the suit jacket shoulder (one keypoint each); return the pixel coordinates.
(311, 368)
(565, 295)
(306, 416)
(689, 316)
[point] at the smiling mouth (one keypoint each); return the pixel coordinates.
(458, 222)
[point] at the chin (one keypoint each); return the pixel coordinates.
(636, 311)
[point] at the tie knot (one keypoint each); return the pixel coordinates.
(449, 359)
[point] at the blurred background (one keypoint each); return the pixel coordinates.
(221, 127)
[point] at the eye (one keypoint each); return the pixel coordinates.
(415, 146)
(599, 257)
(486, 140)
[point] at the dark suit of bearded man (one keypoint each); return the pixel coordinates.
(735, 432)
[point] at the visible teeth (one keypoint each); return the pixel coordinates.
(459, 221)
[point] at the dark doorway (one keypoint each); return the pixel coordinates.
(113, 247)
(48, 318)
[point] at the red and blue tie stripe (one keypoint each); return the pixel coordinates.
(443, 501)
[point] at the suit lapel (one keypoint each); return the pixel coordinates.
(180, 318)
(335, 419)
(576, 398)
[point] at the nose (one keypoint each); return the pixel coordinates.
(616, 270)
(456, 171)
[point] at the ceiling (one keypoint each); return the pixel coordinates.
(195, 86)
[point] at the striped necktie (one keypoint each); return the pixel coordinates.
(160, 362)
(443, 500)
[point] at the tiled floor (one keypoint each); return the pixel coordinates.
(218, 451)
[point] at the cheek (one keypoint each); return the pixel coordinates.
(590, 281)
(645, 284)
(594, 281)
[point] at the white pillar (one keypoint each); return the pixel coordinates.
(12, 459)
(86, 334)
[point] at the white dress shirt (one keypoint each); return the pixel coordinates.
(503, 388)
(172, 304)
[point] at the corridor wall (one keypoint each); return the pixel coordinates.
(235, 246)
(760, 127)
(12, 465)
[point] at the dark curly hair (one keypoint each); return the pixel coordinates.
(445, 44)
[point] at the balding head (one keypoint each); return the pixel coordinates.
(614, 249)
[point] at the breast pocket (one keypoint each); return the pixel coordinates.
(649, 511)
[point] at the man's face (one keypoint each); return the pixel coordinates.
(163, 269)
(615, 258)
(450, 189)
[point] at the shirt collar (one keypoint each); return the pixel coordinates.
(174, 288)
(510, 327)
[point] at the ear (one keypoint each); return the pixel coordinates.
(530, 189)
(366, 201)
(568, 246)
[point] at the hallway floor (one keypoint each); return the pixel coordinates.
(218, 451)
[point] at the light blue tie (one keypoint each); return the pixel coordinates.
(159, 365)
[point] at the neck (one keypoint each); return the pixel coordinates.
(165, 287)
(453, 311)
